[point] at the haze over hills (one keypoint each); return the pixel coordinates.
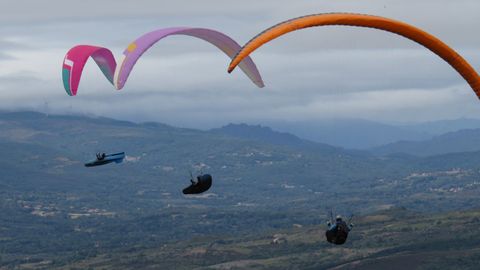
(444, 126)
(267, 135)
(452, 142)
(349, 133)
(264, 181)
(364, 134)
(466, 140)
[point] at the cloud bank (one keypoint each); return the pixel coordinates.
(333, 72)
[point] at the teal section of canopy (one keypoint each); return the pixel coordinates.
(66, 79)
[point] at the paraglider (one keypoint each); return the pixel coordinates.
(102, 159)
(360, 20)
(75, 60)
(142, 44)
(117, 75)
(338, 230)
(200, 185)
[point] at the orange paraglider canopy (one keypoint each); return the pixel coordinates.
(408, 31)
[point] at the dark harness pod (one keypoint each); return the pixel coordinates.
(337, 235)
(203, 183)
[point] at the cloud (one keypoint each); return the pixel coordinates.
(310, 74)
(4, 56)
(7, 45)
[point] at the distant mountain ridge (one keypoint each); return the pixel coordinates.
(340, 133)
(365, 134)
(349, 133)
(467, 140)
(270, 136)
(453, 142)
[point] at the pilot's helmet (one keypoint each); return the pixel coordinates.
(338, 218)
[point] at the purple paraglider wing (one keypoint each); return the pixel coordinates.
(135, 50)
(75, 60)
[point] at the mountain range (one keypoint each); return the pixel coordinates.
(365, 134)
(263, 180)
(467, 140)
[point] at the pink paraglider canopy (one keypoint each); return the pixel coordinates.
(117, 75)
(75, 60)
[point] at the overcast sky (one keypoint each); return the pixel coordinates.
(329, 72)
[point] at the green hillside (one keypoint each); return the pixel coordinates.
(393, 239)
(57, 213)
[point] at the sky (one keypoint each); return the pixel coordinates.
(310, 75)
